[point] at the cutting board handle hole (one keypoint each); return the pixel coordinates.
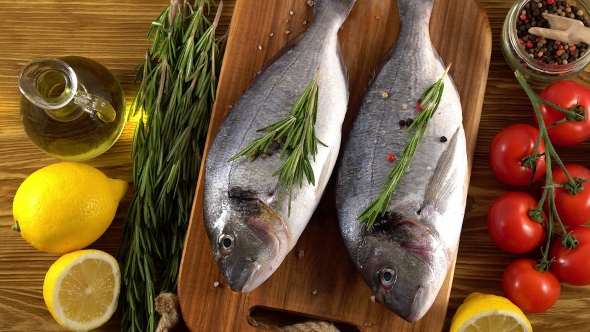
(275, 319)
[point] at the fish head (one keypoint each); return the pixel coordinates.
(402, 266)
(250, 242)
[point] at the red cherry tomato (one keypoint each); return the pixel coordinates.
(510, 226)
(573, 210)
(531, 290)
(566, 94)
(507, 151)
(572, 266)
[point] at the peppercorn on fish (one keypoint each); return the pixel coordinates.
(405, 256)
(250, 235)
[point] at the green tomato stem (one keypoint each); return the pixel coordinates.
(16, 226)
(549, 188)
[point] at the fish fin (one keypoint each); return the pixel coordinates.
(443, 181)
(324, 177)
(332, 8)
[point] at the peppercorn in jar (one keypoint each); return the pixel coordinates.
(543, 60)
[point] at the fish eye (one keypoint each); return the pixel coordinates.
(226, 243)
(387, 276)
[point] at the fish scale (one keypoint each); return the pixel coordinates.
(250, 235)
(404, 259)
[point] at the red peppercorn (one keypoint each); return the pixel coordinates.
(550, 2)
(538, 39)
(557, 42)
(390, 157)
(523, 17)
(419, 107)
(529, 44)
(558, 52)
(520, 41)
(572, 48)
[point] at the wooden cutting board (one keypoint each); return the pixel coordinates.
(317, 280)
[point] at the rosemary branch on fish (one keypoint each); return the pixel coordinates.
(431, 99)
(300, 142)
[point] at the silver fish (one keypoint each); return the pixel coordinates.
(250, 236)
(405, 256)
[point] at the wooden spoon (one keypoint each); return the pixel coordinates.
(564, 29)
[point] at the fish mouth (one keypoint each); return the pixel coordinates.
(269, 232)
(246, 282)
(416, 311)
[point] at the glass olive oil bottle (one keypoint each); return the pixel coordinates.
(72, 108)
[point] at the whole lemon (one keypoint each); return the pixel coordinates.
(66, 206)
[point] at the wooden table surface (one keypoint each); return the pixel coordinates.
(113, 33)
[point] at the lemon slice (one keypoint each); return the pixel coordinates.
(81, 289)
(489, 313)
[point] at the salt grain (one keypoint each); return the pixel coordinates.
(304, 22)
(291, 12)
(301, 254)
(314, 292)
(286, 21)
(259, 47)
(215, 284)
(372, 298)
(272, 34)
(287, 32)
(384, 95)
(404, 106)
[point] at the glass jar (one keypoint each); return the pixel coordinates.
(72, 108)
(532, 69)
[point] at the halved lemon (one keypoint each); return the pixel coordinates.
(489, 313)
(81, 289)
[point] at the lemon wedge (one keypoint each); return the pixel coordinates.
(489, 313)
(81, 289)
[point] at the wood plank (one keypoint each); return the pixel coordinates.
(324, 284)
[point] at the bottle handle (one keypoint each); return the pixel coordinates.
(95, 105)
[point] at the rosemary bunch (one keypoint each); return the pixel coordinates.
(298, 132)
(178, 83)
(430, 99)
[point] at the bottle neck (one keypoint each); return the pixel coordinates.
(51, 84)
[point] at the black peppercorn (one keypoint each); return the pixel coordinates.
(443, 139)
(547, 50)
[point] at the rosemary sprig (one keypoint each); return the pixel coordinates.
(430, 99)
(298, 133)
(178, 79)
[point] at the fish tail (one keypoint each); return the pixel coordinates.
(415, 10)
(337, 9)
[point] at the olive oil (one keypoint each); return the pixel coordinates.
(71, 132)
